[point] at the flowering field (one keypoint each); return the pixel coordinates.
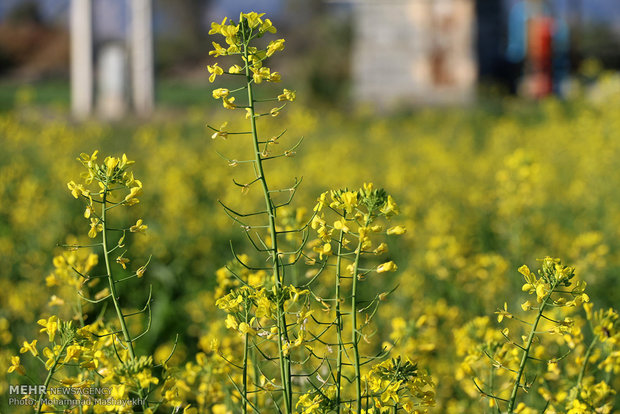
(440, 315)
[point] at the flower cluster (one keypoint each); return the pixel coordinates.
(99, 352)
(558, 297)
(238, 37)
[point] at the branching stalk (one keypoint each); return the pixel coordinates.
(119, 313)
(339, 325)
(114, 295)
(285, 367)
(524, 358)
(355, 336)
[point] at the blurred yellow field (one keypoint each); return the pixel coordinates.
(429, 280)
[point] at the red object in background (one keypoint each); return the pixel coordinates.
(540, 32)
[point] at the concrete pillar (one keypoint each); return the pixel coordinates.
(142, 56)
(81, 58)
(111, 81)
(414, 52)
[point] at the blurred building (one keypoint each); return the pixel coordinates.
(414, 52)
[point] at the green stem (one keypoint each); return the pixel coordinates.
(256, 372)
(582, 371)
(112, 284)
(50, 374)
(355, 336)
(119, 313)
(285, 368)
(339, 323)
(245, 364)
(526, 351)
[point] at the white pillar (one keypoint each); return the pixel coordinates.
(111, 81)
(81, 58)
(142, 56)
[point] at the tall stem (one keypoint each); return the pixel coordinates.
(526, 351)
(112, 283)
(285, 368)
(245, 364)
(355, 336)
(117, 307)
(339, 323)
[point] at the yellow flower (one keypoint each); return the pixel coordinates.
(214, 70)
(118, 391)
(503, 313)
(133, 192)
(235, 69)
(16, 366)
(229, 31)
(95, 227)
(382, 248)
(232, 49)
(32, 347)
(217, 27)
(220, 132)
(324, 250)
(218, 50)
(55, 301)
(228, 102)
(72, 352)
(122, 261)
(140, 271)
(253, 18)
(541, 291)
(264, 306)
(88, 160)
(390, 208)
(76, 189)
(387, 267)
(349, 200)
(50, 326)
(219, 409)
(125, 161)
(231, 322)
(341, 225)
(275, 46)
(287, 95)
(244, 328)
(267, 26)
(274, 77)
(51, 358)
(220, 93)
(391, 393)
(138, 227)
(261, 73)
(145, 378)
(396, 230)
(111, 163)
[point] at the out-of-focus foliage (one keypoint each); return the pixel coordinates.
(480, 195)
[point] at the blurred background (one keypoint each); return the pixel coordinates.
(494, 124)
(131, 54)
